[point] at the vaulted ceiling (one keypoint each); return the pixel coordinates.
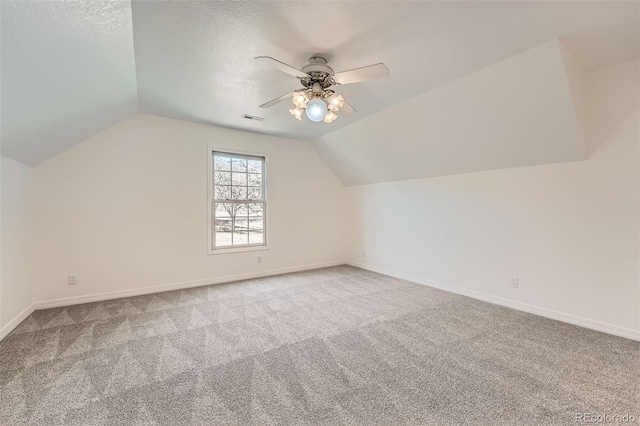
(70, 69)
(68, 72)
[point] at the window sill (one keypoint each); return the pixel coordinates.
(238, 249)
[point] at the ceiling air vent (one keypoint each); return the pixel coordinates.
(252, 117)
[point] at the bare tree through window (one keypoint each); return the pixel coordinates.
(238, 200)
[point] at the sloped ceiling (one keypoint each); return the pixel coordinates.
(517, 112)
(69, 70)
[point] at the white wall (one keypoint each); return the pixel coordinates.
(569, 231)
(15, 291)
(127, 208)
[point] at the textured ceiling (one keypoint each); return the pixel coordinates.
(68, 68)
(68, 72)
(195, 60)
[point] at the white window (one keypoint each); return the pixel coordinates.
(237, 201)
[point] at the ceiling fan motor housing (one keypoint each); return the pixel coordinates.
(319, 72)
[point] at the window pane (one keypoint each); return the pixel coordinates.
(256, 224)
(222, 192)
(256, 238)
(222, 178)
(255, 180)
(223, 210)
(256, 230)
(241, 210)
(239, 164)
(239, 193)
(240, 238)
(241, 230)
(255, 210)
(222, 163)
(255, 166)
(242, 224)
(223, 238)
(239, 179)
(254, 193)
(223, 224)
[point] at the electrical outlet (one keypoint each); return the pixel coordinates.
(514, 282)
(73, 279)
(259, 259)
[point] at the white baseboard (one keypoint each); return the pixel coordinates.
(537, 310)
(16, 321)
(68, 301)
(548, 313)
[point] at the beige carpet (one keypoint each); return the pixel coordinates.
(331, 346)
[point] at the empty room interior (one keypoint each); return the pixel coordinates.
(319, 213)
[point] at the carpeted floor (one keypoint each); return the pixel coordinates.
(330, 346)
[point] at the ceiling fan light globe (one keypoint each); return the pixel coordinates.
(336, 102)
(316, 110)
(330, 117)
(300, 99)
(297, 113)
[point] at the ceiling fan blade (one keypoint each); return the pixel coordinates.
(277, 100)
(281, 66)
(361, 74)
(347, 110)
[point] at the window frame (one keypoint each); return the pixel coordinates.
(211, 151)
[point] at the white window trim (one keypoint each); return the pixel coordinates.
(265, 178)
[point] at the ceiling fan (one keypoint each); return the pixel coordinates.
(316, 97)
